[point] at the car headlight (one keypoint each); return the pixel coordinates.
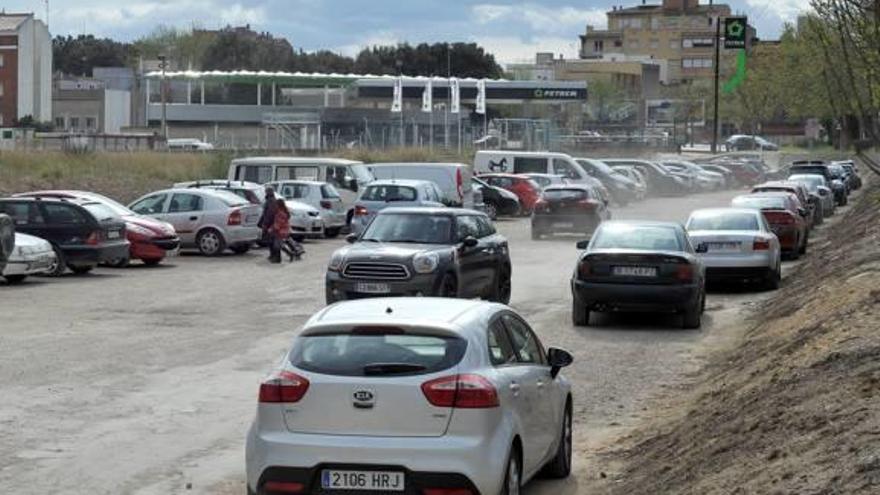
(336, 261)
(426, 262)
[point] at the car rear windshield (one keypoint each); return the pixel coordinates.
(776, 202)
(565, 194)
(100, 212)
(371, 354)
(411, 228)
(723, 221)
(640, 237)
(389, 193)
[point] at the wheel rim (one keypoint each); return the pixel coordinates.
(512, 477)
(209, 243)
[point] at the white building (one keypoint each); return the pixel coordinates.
(25, 69)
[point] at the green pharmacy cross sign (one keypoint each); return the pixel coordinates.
(735, 32)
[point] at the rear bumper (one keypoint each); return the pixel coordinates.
(631, 297)
(242, 235)
(451, 461)
(762, 259)
(94, 255)
(311, 227)
(738, 274)
(29, 265)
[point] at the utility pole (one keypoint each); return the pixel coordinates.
(717, 78)
(163, 64)
(449, 97)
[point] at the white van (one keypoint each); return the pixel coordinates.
(347, 176)
(530, 162)
(188, 144)
(453, 179)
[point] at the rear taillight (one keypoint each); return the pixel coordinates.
(234, 218)
(584, 269)
(326, 204)
(684, 273)
(360, 211)
(284, 387)
(461, 391)
(94, 238)
(779, 217)
(588, 204)
(282, 487)
(761, 245)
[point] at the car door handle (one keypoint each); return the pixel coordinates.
(193, 218)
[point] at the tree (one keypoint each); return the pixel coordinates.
(79, 55)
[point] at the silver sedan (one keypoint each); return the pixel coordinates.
(736, 245)
(412, 395)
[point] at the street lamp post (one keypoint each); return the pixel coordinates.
(399, 64)
(163, 64)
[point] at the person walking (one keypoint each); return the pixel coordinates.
(281, 233)
(267, 222)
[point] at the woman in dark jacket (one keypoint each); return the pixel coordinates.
(267, 221)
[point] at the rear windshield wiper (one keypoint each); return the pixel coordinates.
(377, 369)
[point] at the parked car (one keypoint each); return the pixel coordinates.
(850, 168)
(30, 256)
(703, 179)
(746, 169)
(321, 196)
(637, 178)
(639, 266)
(205, 219)
(819, 167)
(347, 176)
(188, 144)
(817, 186)
(382, 194)
(83, 234)
(840, 173)
(572, 208)
(453, 179)
(446, 252)
(805, 199)
(736, 245)
(529, 162)
(546, 180)
(7, 239)
(660, 181)
(150, 240)
(729, 177)
(498, 201)
(526, 189)
(621, 188)
(412, 396)
(741, 142)
(785, 218)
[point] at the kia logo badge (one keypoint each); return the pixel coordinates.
(363, 399)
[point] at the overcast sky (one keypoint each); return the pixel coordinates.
(513, 31)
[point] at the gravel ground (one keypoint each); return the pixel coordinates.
(143, 381)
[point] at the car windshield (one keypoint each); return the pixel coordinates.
(101, 211)
(565, 194)
(723, 221)
(372, 354)
(411, 228)
(389, 193)
(760, 202)
(638, 237)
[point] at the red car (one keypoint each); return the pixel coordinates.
(785, 216)
(526, 189)
(151, 240)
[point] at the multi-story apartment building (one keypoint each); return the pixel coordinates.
(25, 69)
(679, 34)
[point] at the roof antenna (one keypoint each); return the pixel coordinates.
(388, 310)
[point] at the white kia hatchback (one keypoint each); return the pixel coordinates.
(413, 396)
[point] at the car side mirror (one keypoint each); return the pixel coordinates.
(582, 245)
(702, 248)
(351, 238)
(558, 359)
(470, 242)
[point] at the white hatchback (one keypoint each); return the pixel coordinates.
(412, 396)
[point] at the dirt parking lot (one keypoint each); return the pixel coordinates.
(144, 381)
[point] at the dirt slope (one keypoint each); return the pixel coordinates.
(796, 407)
